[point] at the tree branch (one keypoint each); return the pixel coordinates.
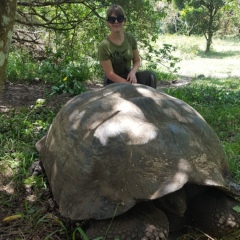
(44, 4)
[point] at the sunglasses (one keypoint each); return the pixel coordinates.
(112, 20)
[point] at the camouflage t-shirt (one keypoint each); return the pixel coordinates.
(121, 56)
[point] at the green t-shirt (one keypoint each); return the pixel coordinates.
(121, 56)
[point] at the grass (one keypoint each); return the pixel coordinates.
(216, 97)
(222, 62)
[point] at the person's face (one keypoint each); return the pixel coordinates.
(116, 23)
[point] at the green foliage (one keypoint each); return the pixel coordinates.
(64, 75)
(67, 76)
(161, 57)
(21, 67)
(197, 16)
(166, 76)
(73, 81)
(19, 130)
(237, 209)
(201, 17)
(230, 19)
(26, 126)
(179, 4)
(208, 94)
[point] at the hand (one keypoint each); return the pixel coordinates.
(132, 77)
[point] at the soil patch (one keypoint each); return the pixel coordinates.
(25, 95)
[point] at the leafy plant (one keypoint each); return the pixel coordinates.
(237, 209)
(73, 81)
(21, 67)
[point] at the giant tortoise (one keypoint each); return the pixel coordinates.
(138, 163)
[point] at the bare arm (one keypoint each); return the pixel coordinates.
(136, 64)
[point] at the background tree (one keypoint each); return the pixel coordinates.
(201, 16)
(230, 18)
(7, 14)
(83, 20)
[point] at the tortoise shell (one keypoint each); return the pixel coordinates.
(108, 149)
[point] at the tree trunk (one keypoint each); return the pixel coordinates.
(208, 45)
(209, 36)
(7, 15)
(209, 33)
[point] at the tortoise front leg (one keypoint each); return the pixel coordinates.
(212, 212)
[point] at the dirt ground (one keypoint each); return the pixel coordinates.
(25, 95)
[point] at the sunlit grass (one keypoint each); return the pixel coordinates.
(223, 61)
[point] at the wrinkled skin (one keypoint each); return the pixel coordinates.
(144, 222)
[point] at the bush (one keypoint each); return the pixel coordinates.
(21, 67)
(58, 70)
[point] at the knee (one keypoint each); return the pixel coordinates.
(147, 78)
(151, 78)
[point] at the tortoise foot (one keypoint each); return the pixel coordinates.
(143, 222)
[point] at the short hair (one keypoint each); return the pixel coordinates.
(116, 9)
